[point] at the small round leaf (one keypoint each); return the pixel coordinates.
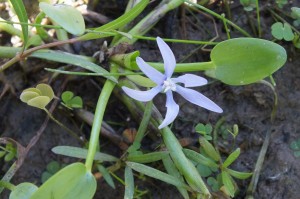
(39, 102)
(46, 90)
(28, 95)
(66, 96)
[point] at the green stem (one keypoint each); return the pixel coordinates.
(258, 19)
(63, 126)
(186, 67)
(219, 17)
(99, 113)
(7, 185)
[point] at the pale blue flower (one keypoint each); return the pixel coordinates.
(166, 84)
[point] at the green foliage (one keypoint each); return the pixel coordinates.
(296, 16)
(9, 152)
(71, 101)
(243, 61)
(22, 15)
(248, 5)
(282, 31)
(38, 97)
(295, 146)
(107, 177)
(23, 191)
(204, 130)
(73, 181)
(52, 168)
(66, 16)
(281, 3)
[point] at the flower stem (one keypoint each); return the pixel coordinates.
(99, 113)
(63, 126)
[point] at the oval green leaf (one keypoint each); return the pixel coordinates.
(243, 61)
(73, 181)
(46, 90)
(238, 174)
(39, 102)
(227, 181)
(66, 96)
(209, 149)
(66, 16)
(23, 191)
(231, 158)
(28, 95)
(149, 157)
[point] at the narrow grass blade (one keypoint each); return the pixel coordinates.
(68, 58)
(23, 18)
(107, 177)
(117, 23)
(129, 183)
(154, 173)
(81, 153)
(149, 157)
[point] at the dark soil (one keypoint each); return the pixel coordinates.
(248, 106)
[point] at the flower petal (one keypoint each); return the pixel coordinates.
(190, 80)
(143, 96)
(168, 57)
(172, 110)
(198, 99)
(151, 72)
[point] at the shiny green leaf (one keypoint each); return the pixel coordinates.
(243, 61)
(66, 16)
(23, 191)
(26, 96)
(73, 181)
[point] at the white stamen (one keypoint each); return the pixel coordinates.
(168, 85)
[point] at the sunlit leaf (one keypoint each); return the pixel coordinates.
(23, 191)
(66, 16)
(39, 102)
(243, 61)
(73, 181)
(26, 96)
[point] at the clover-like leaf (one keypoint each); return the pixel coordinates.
(38, 97)
(296, 15)
(70, 101)
(248, 5)
(282, 31)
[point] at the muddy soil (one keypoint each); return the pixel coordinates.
(248, 106)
